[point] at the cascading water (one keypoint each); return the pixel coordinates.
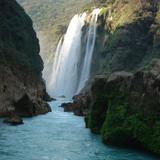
(51, 68)
(85, 74)
(67, 74)
(64, 75)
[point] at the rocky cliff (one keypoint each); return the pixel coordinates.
(127, 36)
(122, 102)
(22, 90)
(125, 108)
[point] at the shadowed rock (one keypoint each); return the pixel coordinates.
(20, 64)
(125, 108)
(26, 107)
(14, 120)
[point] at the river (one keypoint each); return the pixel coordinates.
(58, 136)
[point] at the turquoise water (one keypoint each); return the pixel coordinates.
(57, 136)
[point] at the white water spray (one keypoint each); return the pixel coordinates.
(65, 77)
(85, 74)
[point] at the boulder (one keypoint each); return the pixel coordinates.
(80, 104)
(14, 120)
(27, 108)
(42, 108)
(68, 107)
(47, 97)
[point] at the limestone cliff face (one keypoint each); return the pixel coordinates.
(127, 35)
(20, 63)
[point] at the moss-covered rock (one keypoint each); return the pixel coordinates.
(125, 108)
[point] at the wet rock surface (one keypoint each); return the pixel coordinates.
(79, 106)
(14, 120)
(125, 108)
(22, 89)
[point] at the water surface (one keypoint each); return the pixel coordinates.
(57, 136)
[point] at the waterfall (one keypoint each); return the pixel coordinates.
(68, 72)
(51, 69)
(63, 78)
(85, 74)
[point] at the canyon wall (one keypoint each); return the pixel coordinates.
(22, 89)
(128, 35)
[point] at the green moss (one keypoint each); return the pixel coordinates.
(96, 117)
(97, 114)
(122, 126)
(115, 117)
(155, 143)
(124, 12)
(138, 128)
(103, 12)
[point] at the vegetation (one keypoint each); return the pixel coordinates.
(51, 19)
(131, 36)
(125, 109)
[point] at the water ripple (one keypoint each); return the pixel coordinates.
(58, 136)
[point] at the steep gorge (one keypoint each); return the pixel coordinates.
(121, 106)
